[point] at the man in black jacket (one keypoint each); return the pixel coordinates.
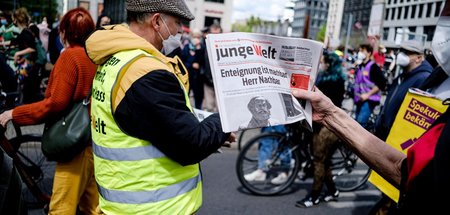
(415, 70)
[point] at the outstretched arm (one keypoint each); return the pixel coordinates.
(382, 158)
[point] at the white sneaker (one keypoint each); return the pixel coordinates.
(280, 179)
(257, 175)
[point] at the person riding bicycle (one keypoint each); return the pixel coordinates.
(332, 81)
(266, 147)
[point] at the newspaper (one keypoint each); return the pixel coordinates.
(253, 75)
(201, 114)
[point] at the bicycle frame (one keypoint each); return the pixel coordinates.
(23, 170)
(342, 165)
(30, 171)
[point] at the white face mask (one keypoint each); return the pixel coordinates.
(440, 43)
(402, 59)
(361, 56)
(171, 43)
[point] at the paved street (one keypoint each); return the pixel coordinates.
(224, 195)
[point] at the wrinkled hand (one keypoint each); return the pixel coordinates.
(322, 105)
(5, 117)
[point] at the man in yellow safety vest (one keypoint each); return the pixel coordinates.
(147, 143)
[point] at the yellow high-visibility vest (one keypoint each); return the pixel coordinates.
(133, 176)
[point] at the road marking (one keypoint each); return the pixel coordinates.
(360, 193)
(354, 172)
(350, 204)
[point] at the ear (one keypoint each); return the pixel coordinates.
(420, 58)
(155, 21)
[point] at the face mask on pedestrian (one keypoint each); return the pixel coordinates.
(440, 43)
(3, 22)
(361, 56)
(171, 43)
(402, 59)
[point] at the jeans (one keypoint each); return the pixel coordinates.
(363, 112)
(268, 146)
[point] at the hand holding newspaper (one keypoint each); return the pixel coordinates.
(253, 75)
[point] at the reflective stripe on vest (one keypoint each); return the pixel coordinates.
(131, 173)
(127, 154)
(139, 197)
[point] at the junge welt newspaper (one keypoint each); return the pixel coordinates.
(253, 75)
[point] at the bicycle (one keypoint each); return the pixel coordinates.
(25, 150)
(245, 135)
(348, 172)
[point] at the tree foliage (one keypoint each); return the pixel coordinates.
(248, 25)
(321, 34)
(37, 9)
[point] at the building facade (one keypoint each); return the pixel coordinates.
(360, 16)
(404, 20)
(278, 28)
(206, 11)
(334, 20)
(309, 17)
(95, 7)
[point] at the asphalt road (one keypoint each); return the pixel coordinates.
(224, 195)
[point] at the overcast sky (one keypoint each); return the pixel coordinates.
(265, 9)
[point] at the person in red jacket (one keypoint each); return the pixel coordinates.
(74, 186)
(380, 56)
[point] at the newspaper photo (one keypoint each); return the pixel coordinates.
(253, 75)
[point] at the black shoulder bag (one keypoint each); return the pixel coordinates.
(64, 139)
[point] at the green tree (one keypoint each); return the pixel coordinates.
(321, 34)
(247, 27)
(37, 9)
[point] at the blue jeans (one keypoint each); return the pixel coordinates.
(268, 146)
(363, 112)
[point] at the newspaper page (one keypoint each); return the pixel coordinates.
(201, 114)
(253, 75)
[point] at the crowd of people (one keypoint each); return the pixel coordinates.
(147, 161)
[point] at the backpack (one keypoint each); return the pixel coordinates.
(41, 54)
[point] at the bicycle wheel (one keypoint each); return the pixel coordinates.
(36, 172)
(246, 135)
(247, 162)
(349, 172)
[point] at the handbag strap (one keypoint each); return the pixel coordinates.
(87, 100)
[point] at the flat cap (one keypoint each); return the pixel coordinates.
(174, 7)
(413, 46)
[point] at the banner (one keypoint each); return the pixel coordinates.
(416, 114)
